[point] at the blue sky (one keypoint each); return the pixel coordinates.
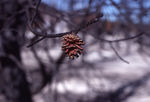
(109, 11)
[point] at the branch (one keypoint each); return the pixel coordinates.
(36, 11)
(123, 39)
(62, 34)
(118, 54)
(46, 35)
(32, 43)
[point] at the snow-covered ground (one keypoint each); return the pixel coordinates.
(104, 72)
(105, 76)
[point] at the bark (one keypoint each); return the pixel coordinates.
(13, 82)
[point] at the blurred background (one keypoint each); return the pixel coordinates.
(109, 70)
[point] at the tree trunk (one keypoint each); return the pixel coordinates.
(13, 83)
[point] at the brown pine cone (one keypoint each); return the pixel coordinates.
(72, 45)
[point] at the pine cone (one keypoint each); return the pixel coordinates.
(72, 45)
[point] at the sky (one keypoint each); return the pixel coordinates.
(110, 12)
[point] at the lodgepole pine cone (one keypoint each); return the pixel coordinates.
(72, 45)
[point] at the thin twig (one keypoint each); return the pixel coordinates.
(123, 39)
(32, 43)
(36, 11)
(116, 52)
(96, 19)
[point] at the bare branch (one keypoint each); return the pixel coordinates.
(116, 52)
(123, 39)
(45, 35)
(36, 11)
